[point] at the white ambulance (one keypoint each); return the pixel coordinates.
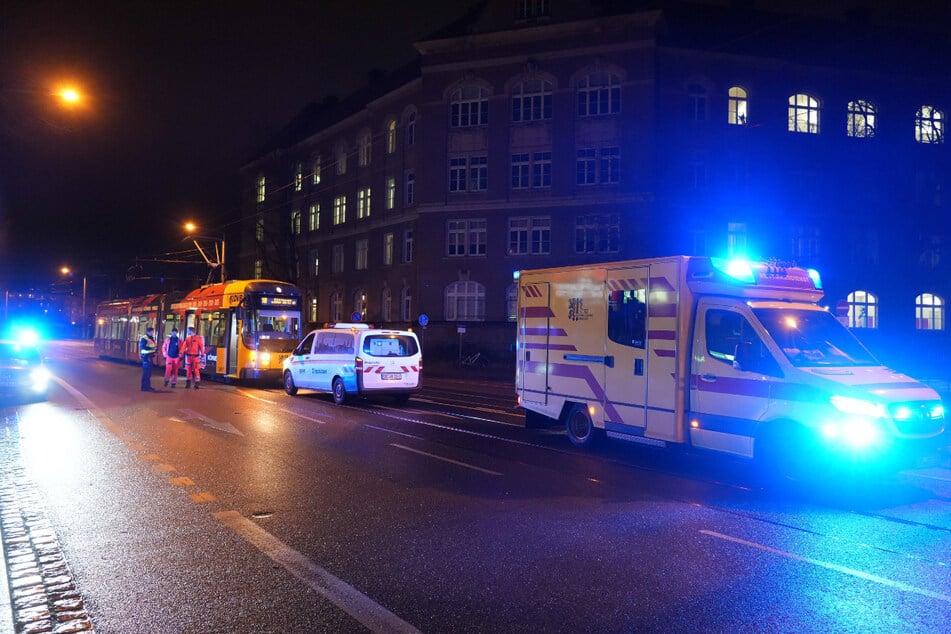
(355, 359)
(729, 356)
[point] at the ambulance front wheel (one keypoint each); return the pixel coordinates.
(581, 431)
(289, 386)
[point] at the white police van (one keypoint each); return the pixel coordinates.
(354, 359)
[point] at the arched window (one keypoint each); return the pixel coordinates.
(531, 100)
(469, 106)
(929, 125)
(315, 177)
(861, 119)
(697, 102)
(737, 106)
(863, 310)
(406, 304)
(411, 128)
(391, 136)
(364, 147)
(386, 305)
(336, 306)
(599, 93)
(929, 312)
(511, 302)
(804, 114)
(360, 303)
(465, 301)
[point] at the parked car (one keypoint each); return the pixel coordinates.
(354, 359)
(22, 371)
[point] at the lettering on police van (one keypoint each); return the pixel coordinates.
(577, 310)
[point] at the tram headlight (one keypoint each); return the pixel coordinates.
(265, 358)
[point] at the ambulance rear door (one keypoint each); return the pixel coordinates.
(533, 341)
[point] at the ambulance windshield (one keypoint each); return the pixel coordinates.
(813, 338)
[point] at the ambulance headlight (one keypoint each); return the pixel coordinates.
(858, 407)
(39, 380)
(855, 432)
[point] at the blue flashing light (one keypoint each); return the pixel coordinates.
(739, 269)
(814, 276)
(516, 275)
(856, 433)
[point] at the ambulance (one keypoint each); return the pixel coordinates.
(351, 359)
(722, 355)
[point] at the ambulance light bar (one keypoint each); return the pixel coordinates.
(740, 270)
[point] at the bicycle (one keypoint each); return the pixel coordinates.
(475, 360)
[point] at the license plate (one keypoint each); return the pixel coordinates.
(392, 376)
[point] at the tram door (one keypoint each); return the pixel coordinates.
(231, 341)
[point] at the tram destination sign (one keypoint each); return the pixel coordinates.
(278, 301)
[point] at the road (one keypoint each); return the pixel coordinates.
(239, 509)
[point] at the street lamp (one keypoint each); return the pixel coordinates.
(219, 251)
(67, 271)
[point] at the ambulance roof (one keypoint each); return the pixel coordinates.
(756, 280)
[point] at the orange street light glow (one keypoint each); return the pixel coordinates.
(69, 95)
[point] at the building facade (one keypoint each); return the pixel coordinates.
(548, 134)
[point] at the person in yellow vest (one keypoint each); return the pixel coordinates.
(194, 349)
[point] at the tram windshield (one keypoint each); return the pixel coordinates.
(275, 325)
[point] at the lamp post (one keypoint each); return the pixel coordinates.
(67, 271)
(219, 253)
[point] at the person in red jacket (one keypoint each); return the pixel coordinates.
(194, 349)
(172, 351)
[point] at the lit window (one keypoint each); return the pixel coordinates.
(530, 235)
(511, 302)
(861, 119)
(364, 146)
(298, 177)
(863, 310)
(597, 233)
(361, 254)
(313, 222)
(599, 93)
(340, 210)
(803, 114)
(316, 173)
(295, 222)
(929, 125)
(391, 136)
(929, 312)
(531, 100)
(469, 106)
(390, 193)
(388, 244)
(260, 189)
(315, 263)
(737, 106)
(465, 301)
(258, 269)
(363, 203)
(697, 102)
(313, 309)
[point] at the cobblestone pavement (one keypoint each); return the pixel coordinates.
(43, 594)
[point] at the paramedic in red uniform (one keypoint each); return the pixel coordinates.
(194, 349)
(172, 351)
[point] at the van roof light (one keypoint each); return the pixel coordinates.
(739, 269)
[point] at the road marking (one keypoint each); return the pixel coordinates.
(299, 415)
(449, 460)
(255, 397)
(361, 607)
(210, 422)
(830, 566)
(182, 481)
(163, 468)
(203, 497)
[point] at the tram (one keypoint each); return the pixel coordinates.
(249, 326)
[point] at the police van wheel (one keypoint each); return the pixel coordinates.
(340, 392)
(578, 424)
(289, 386)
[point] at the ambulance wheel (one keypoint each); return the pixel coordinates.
(581, 431)
(289, 386)
(778, 453)
(340, 392)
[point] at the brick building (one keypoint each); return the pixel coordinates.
(535, 134)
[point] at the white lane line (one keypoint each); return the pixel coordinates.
(358, 605)
(449, 460)
(299, 415)
(830, 566)
(255, 397)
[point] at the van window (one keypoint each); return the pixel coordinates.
(723, 329)
(390, 346)
(627, 317)
(325, 343)
(342, 343)
(305, 346)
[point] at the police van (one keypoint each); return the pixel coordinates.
(724, 355)
(354, 359)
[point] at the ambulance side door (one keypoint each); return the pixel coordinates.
(625, 363)
(725, 401)
(299, 359)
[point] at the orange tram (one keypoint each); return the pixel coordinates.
(249, 326)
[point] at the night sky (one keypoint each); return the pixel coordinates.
(180, 95)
